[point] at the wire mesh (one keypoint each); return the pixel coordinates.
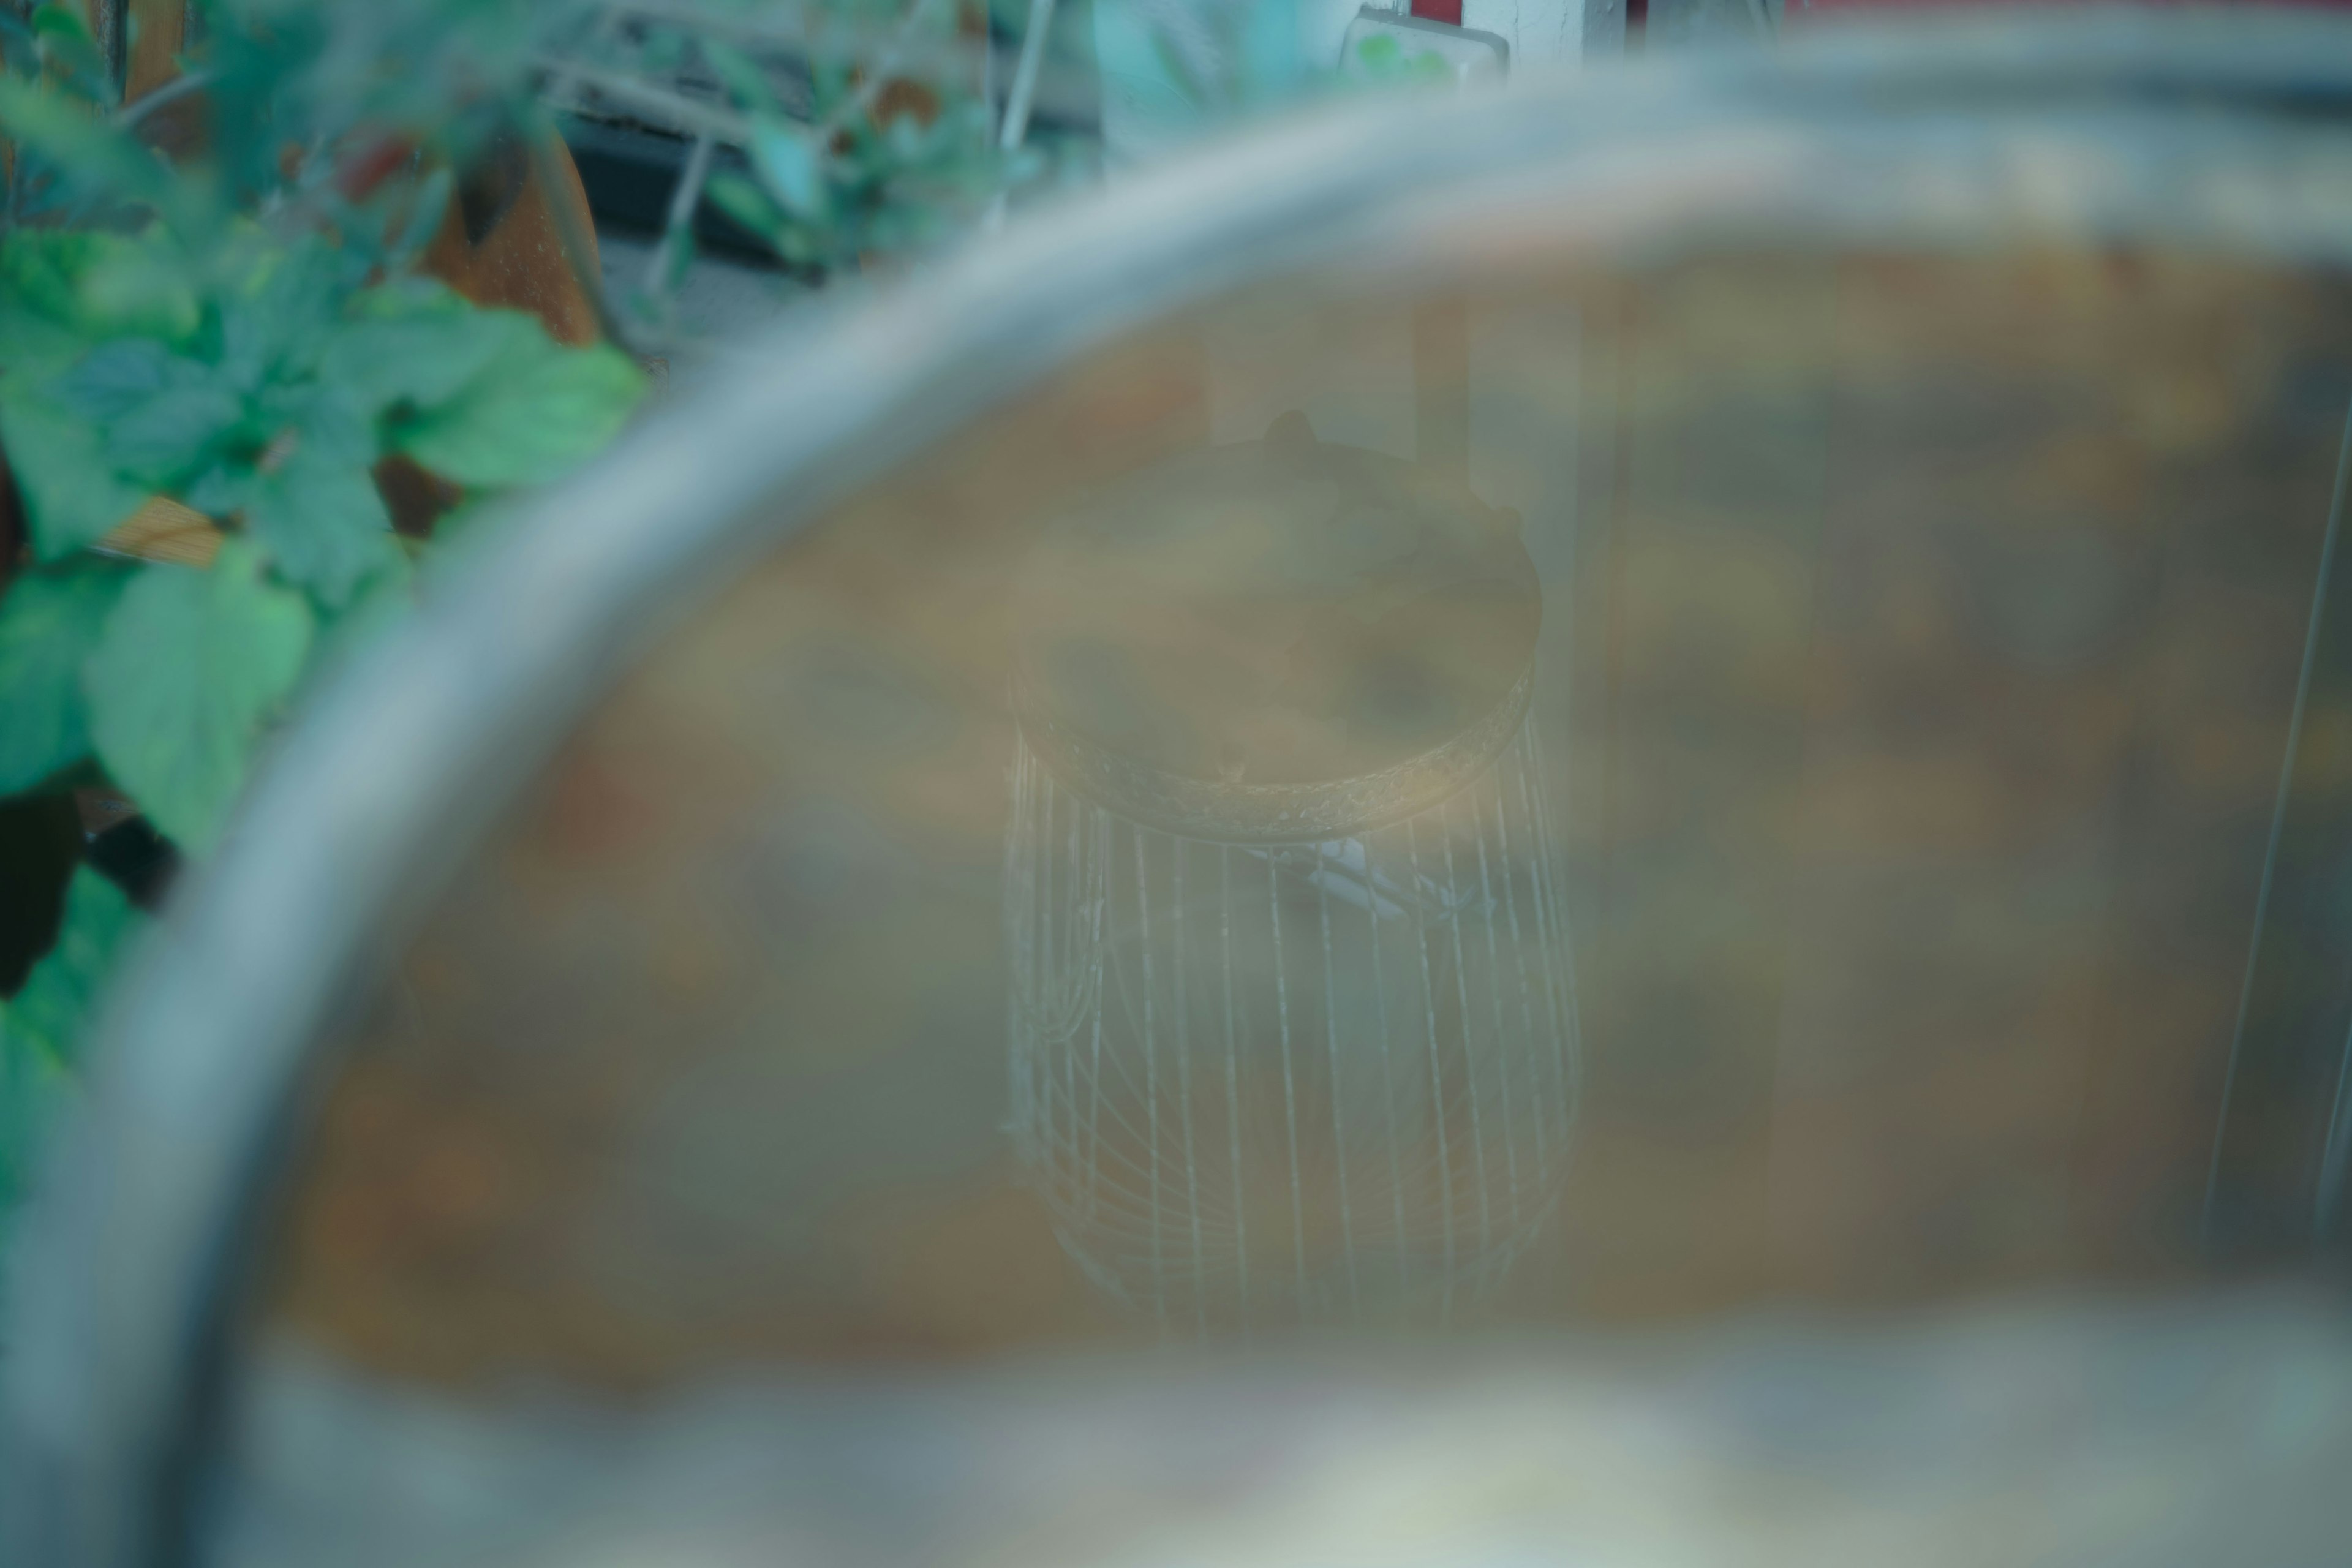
(1261, 1085)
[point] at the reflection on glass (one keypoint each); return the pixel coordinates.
(1292, 1019)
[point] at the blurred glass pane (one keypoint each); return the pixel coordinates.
(1884, 813)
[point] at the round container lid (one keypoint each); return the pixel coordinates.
(1285, 640)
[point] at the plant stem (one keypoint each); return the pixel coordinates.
(675, 109)
(1016, 104)
(179, 87)
(1024, 79)
(677, 232)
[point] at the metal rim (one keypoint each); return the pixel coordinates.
(1940, 137)
(1268, 814)
(1324, 803)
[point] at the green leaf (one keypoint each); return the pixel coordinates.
(191, 664)
(139, 287)
(72, 498)
(533, 414)
(114, 378)
(34, 346)
(31, 1085)
(423, 356)
(61, 289)
(737, 72)
(383, 598)
(326, 417)
(160, 413)
(744, 201)
(276, 325)
(64, 39)
(49, 623)
(95, 154)
(322, 523)
(42, 1025)
(52, 1010)
(790, 165)
(40, 302)
(34, 1087)
(62, 26)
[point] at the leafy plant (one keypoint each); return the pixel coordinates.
(836, 132)
(41, 1023)
(228, 345)
(235, 342)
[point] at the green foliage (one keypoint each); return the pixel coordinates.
(70, 496)
(61, 45)
(879, 183)
(50, 625)
(157, 417)
(415, 343)
(863, 133)
(531, 412)
(264, 404)
(189, 665)
(323, 521)
(42, 1023)
(240, 332)
(44, 1018)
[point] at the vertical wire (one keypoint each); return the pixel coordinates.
(1233, 1082)
(1462, 1000)
(1092, 984)
(1037, 975)
(2278, 822)
(1494, 995)
(1332, 1044)
(1289, 1089)
(2334, 1152)
(1151, 1083)
(1436, 1086)
(1519, 947)
(1035, 967)
(1031, 977)
(1045, 821)
(1176, 849)
(1549, 952)
(1092, 1162)
(1026, 1106)
(1042, 995)
(1388, 1070)
(1073, 878)
(1570, 1023)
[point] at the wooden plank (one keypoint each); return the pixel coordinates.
(156, 33)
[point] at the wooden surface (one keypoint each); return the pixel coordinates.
(1919, 644)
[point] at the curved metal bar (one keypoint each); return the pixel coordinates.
(1988, 132)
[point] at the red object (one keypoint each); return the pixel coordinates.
(1446, 11)
(1799, 8)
